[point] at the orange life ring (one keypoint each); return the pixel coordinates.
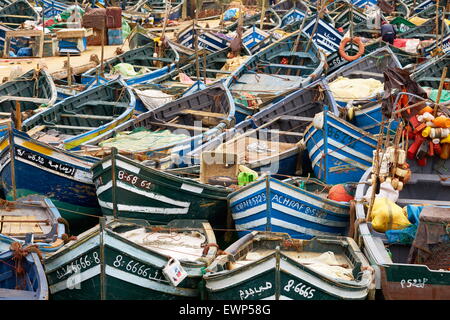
(356, 41)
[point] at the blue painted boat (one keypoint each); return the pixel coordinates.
(326, 36)
(31, 284)
(142, 59)
(271, 21)
(278, 129)
(54, 173)
(80, 118)
(271, 72)
(339, 151)
(294, 15)
(177, 127)
(52, 8)
(35, 215)
(253, 36)
(157, 8)
(370, 66)
(207, 39)
(297, 206)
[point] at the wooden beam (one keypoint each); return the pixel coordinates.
(203, 113)
(35, 130)
(178, 126)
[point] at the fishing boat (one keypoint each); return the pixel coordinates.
(32, 90)
(125, 261)
(271, 140)
(28, 283)
(128, 189)
(276, 69)
(273, 266)
(165, 134)
(271, 21)
(398, 274)
(323, 34)
(31, 167)
(35, 215)
(138, 65)
(208, 39)
(339, 151)
(160, 8)
(52, 7)
(17, 13)
(292, 16)
(429, 73)
(78, 119)
(296, 206)
(282, 8)
(371, 66)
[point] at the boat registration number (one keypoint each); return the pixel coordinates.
(133, 179)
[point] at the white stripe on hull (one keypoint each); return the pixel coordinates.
(142, 209)
(144, 193)
(75, 280)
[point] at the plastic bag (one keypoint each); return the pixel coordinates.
(230, 14)
(386, 215)
(126, 30)
(406, 235)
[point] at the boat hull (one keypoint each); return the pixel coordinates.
(273, 205)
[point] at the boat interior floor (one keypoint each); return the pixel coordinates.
(18, 220)
(262, 83)
(185, 246)
(329, 263)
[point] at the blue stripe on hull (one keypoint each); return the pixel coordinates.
(292, 210)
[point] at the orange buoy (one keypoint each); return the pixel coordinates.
(339, 193)
(356, 41)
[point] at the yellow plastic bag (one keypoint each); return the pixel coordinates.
(386, 215)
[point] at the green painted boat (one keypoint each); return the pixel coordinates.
(400, 273)
(266, 265)
(123, 260)
(128, 189)
(429, 73)
(33, 89)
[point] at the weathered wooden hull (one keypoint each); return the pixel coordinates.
(206, 39)
(277, 206)
(339, 151)
(56, 174)
(104, 265)
(145, 193)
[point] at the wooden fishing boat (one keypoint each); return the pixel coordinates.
(35, 162)
(370, 66)
(297, 206)
(274, 146)
(326, 37)
(165, 134)
(32, 90)
(351, 14)
(52, 8)
(444, 45)
(429, 73)
(292, 16)
(17, 13)
(126, 188)
(208, 39)
(282, 8)
(125, 261)
(140, 58)
(273, 266)
(78, 119)
(260, 75)
(271, 21)
(35, 215)
(30, 284)
(158, 8)
(339, 151)
(398, 275)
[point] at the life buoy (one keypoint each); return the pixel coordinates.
(356, 41)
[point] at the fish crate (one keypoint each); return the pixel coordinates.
(115, 36)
